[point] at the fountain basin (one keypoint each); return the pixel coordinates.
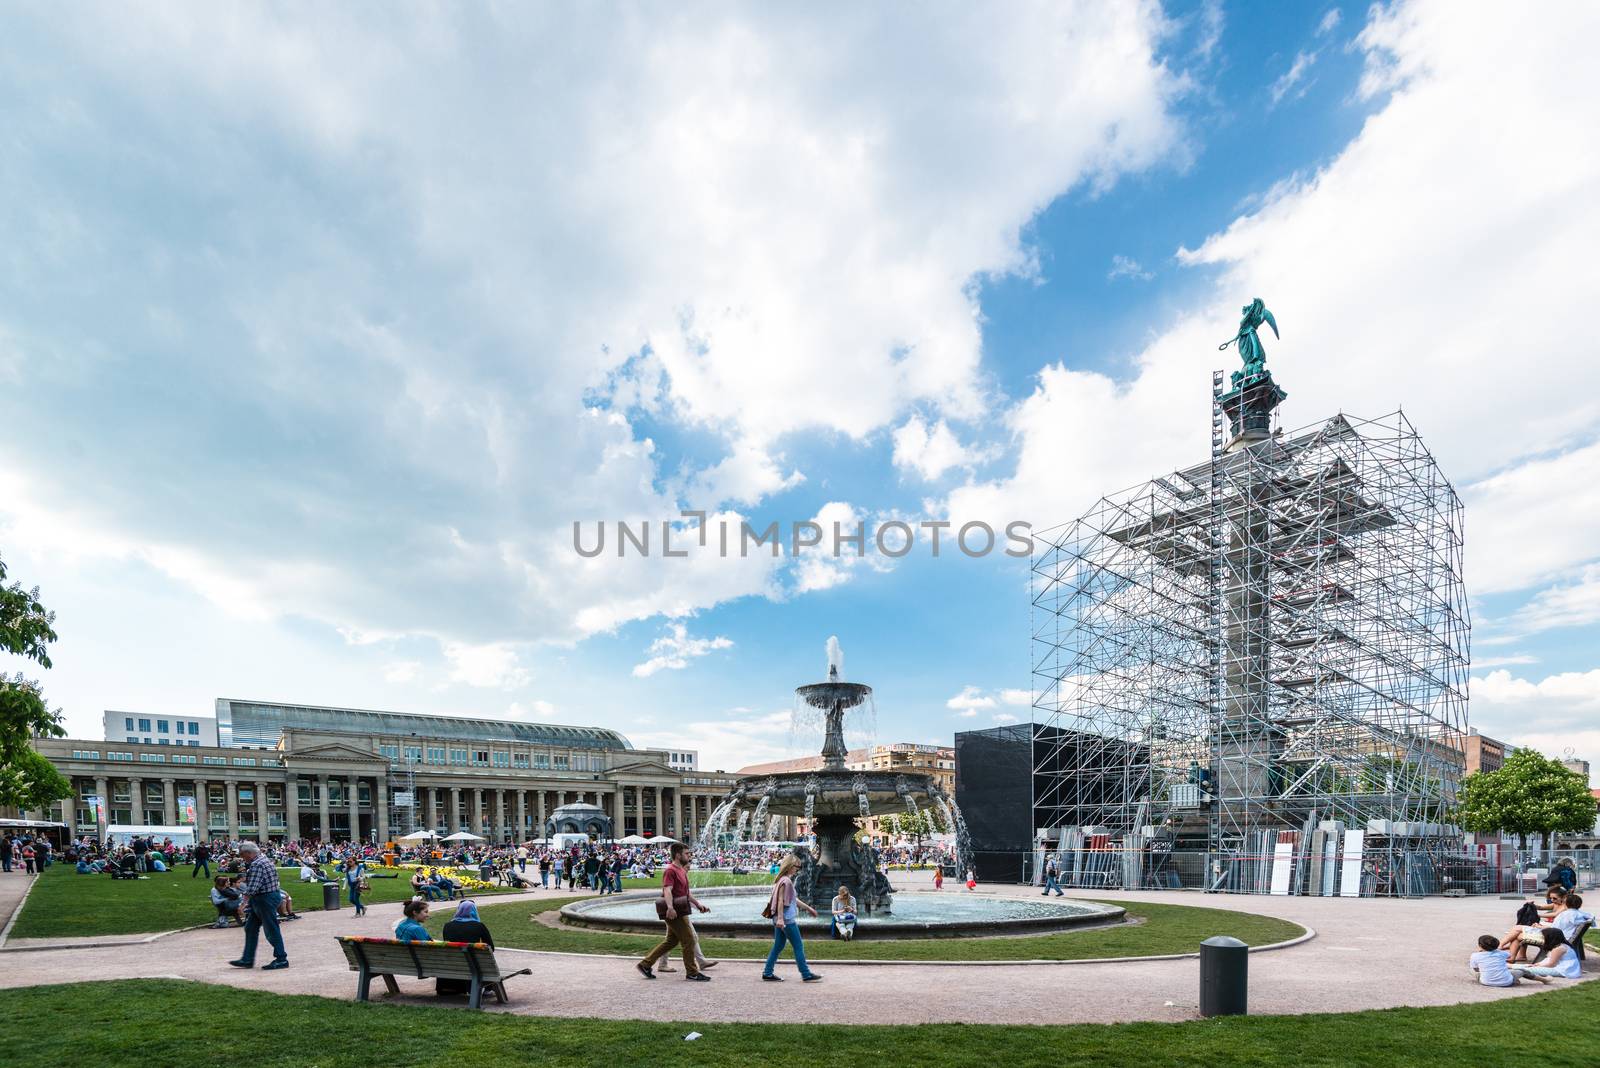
(836, 791)
(736, 910)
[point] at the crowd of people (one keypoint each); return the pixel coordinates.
(1545, 943)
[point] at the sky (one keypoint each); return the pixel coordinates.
(321, 327)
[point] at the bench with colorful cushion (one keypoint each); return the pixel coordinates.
(386, 958)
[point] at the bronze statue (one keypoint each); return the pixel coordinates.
(1248, 341)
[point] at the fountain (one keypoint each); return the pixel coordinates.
(832, 799)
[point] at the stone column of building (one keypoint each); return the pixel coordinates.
(522, 817)
(475, 811)
(433, 807)
(616, 813)
(202, 809)
(455, 811)
(501, 830)
(325, 826)
(538, 799)
(291, 807)
(655, 793)
(380, 807)
(169, 797)
(233, 807)
(135, 800)
(263, 823)
(355, 809)
(680, 819)
(102, 790)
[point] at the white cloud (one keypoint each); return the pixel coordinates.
(1292, 77)
(1555, 714)
(493, 664)
(674, 649)
(929, 452)
(1504, 661)
(401, 671)
(1535, 521)
(1005, 717)
(733, 741)
(1016, 697)
(425, 238)
(1454, 234)
(1126, 267)
(1573, 604)
(969, 701)
(1330, 22)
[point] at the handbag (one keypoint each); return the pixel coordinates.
(680, 905)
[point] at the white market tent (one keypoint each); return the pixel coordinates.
(463, 836)
(419, 836)
(123, 833)
(635, 839)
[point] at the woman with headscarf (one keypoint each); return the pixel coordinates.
(465, 927)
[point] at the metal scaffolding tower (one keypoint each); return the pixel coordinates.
(1243, 652)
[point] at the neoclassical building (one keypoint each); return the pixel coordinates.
(305, 771)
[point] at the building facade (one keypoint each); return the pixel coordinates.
(377, 775)
(191, 731)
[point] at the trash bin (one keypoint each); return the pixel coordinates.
(330, 896)
(1224, 977)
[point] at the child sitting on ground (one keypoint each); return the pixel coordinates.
(227, 901)
(1490, 963)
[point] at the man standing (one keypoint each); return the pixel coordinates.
(1052, 878)
(261, 899)
(202, 859)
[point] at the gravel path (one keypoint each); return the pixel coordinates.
(1348, 965)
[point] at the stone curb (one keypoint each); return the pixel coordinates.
(822, 962)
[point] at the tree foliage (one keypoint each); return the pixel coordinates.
(1529, 794)
(916, 828)
(27, 780)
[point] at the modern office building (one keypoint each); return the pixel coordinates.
(309, 771)
(161, 729)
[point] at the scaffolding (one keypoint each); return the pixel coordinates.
(1267, 649)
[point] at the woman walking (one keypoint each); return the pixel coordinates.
(784, 907)
(355, 881)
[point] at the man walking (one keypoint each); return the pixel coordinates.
(261, 898)
(202, 859)
(1052, 878)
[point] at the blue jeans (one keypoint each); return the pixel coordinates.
(544, 877)
(1052, 883)
(263, 916)
(201, 864)
(354, 891)
(789, 932)
(618, 887)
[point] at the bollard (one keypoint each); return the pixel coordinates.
(330, 896)
(1224, 977)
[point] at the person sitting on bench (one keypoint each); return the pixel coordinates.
(410, 928)
(466, 926)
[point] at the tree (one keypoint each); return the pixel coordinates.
(916, 828)
(27, 780)
(1529, 794)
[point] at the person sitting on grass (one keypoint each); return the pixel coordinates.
(229, 905)
(414, 915)
(286, 906)
(1489, 963)
(844, 914)
(1559, 960)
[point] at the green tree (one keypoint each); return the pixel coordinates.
(1529, 794)
(27, 780)
(916, 828)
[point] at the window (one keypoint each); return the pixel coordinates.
(161, 727)
(304, 790)
(154, 793)
(541, 760)
(182, 759)
(414, 754)
(181, 726)
(480, 756)
(196, 744)
(244, 762)
(247, 795)
(501, 760)
(458, 756)
(561, 762)
(194, 728)
(127, 723)
(131, 738)
(435, 755)
(119, 794)
(213, 760)
(216, 795)
(161, 741)
(119, 756)
(146, 741)
(144, 725)
(86, 754)
(152, 758)
(519, 760)
(390, 751)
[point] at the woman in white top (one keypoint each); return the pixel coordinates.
(844, 914)
(1560, 962)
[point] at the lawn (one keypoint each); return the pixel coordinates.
(64, 904)
(1166, 929)
(155, 1021)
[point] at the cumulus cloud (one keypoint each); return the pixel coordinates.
(674, 649)
(1554, 714)
(927, 451)
(391, 295)
(494, 664)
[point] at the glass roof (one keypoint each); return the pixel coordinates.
(256, 720)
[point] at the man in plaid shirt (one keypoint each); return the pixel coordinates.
(262, 896)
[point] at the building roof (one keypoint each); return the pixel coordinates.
(260, 722)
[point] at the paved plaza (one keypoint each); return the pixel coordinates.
(1352, 962)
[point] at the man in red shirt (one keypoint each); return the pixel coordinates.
(673, 908)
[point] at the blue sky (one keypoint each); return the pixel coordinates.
(318, 330)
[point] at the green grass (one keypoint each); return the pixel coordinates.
(64, 904)
(1166, 929)
(153, 1021)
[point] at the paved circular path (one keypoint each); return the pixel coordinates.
(1352, 963)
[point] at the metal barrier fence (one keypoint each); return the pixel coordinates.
(1373, 871)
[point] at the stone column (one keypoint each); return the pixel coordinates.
(499, 815)
(433, 808)
(291, 807)
(476, 801)
(680, 822)
(380, 807)
(169, 797)
(135, 800)
(455, 811)
(325, 827)
(539, 803)
(263, 825)
(617, 827)
(102, 790)
(233, 807)
(660, 810)
(522, 816)
(202, 810)
(355, 809)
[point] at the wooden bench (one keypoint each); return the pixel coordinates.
(388, 957)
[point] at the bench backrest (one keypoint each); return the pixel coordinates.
(448, 960)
